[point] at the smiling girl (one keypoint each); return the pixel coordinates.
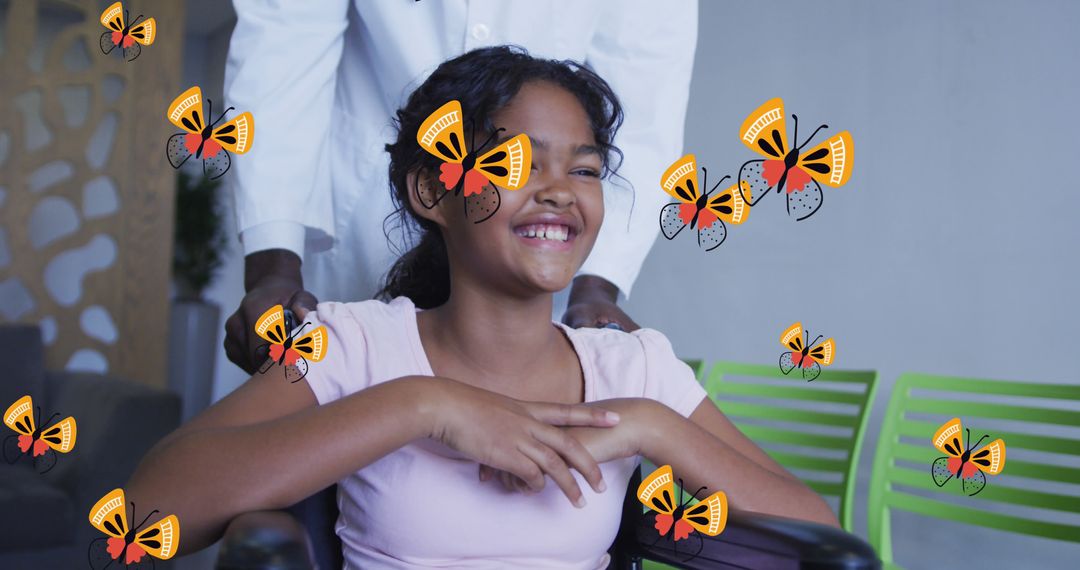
(442, 409)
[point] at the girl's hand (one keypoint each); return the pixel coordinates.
(603, 444)
(520, 438)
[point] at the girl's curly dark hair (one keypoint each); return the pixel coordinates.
(484, 81)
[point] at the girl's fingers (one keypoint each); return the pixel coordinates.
(553, 465)
(571, 414)
(575, 454)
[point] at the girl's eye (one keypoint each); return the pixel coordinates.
(587, 172)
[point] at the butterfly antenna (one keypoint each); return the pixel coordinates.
(298, 331)
(795, 139)
(491, 136)
(135, 21)
(817, 338)
(53, 417)
(223, 113)
(978, 442)
(152, 513)
(705, 171)
(811, 137)
(718, 184)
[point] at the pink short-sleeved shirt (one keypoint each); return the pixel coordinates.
(423, 505)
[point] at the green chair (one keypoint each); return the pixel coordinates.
(920, 404)
(776, 410)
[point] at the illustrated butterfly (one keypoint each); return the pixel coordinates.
(962, 462)
(698, 210)
(38, 440)
(507, 165)
(709, 516)
(126, 36)
(285, 349)
(128, 545)
(807, 357)
(787, 169)
(202, 140)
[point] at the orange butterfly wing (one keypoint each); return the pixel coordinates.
(508, 165)
(764, 131)
(236, 135)
(708, 516)
(823, 353)
(830, 162)
(271, 325)
(442, 134)
(109, 514)
(680, 180)
(61, 436)
(791, 338)
(949, 438)
(729, 205)
(186, 111)
(991, 457)
(312, 345)
(113, 17)
(160, 539)
(20, 416)
(144, 32)
(657, 491)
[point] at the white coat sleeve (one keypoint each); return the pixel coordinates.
(645, 51)
(282, 67)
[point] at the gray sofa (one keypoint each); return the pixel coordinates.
(44, 517)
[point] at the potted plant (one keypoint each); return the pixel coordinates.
(199, 244)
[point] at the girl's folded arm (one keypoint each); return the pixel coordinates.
(707, 450)
(268, 445)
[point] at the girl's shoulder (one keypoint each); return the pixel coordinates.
(638, 364)
(371, 314)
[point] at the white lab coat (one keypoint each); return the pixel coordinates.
(324, 77)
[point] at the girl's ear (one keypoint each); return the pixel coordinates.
(424, 190)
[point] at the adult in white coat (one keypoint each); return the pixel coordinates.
(323, 79)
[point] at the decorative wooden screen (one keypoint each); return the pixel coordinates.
(86, 193)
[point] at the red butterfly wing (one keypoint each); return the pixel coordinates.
(116, 37)
(954, 465)
(275, 351)
(116, 547)
(40, 447)
(135, 553)
(797, 179)
(25, 442)
(772, 170)
(450, 174)
(663, 523)
(291, 356)
(682, 529)
(475, 181)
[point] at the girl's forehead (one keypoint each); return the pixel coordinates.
(548, 113)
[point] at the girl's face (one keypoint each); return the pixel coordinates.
(542, 232)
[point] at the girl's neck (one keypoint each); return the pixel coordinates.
(497, 336)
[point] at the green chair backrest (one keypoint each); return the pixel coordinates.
(775, 410)
(921, 403)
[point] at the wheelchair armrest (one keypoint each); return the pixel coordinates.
(265, 540)
(753, 540)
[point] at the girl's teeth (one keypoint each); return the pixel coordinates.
(560, 233)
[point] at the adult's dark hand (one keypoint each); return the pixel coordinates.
(592, 303)
(271, 277)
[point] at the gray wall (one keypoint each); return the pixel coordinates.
(953, 248)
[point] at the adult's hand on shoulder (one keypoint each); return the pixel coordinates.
(271, 277)
(592, 304)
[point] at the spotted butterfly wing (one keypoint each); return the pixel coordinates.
(680, 181)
